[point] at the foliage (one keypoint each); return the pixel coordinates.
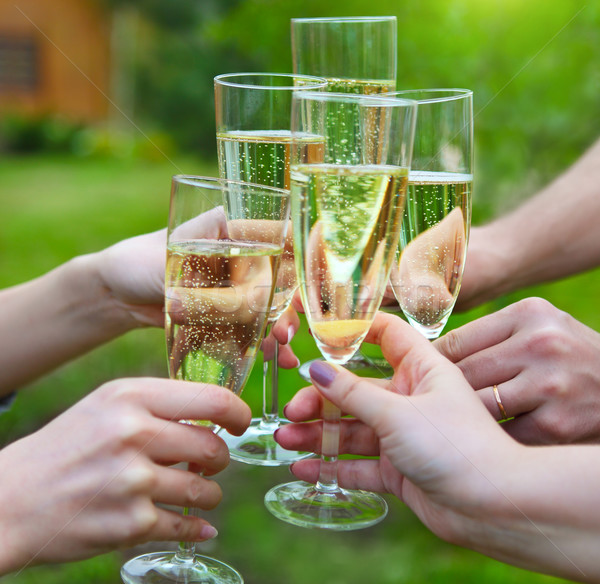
(21, 133)
(535, 87)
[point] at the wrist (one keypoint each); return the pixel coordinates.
(13, 552)
(93, 301)
(489, 266)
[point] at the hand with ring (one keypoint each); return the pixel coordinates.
(426, 438)
(535, 368)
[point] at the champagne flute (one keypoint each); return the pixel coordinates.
(253, 112)
(433, 244)
(356, 55)
(346, 214)
(224, 244)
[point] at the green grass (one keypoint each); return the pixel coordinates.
(54, 208)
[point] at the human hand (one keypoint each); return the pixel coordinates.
(283, 330)
(427, 276)
(133, 274)
(90, 480)
(488, 265)
(545, 366)
(432, 434)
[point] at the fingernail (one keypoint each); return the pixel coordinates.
(322, 373)
(297, 363)
(275, 433)
(284, 414)
(290, 333)
(291, 467)
(208, 532)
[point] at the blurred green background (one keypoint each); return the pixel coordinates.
(68, 188)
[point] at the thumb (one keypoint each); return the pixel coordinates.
(357, 396)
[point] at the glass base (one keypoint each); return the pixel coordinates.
(360, 365)
(257, 445)
(302, 504)
(165, 567)
(429, 331)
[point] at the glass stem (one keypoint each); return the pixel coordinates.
(186, 552)
(330, 446)
(270, 415)
(187, 549)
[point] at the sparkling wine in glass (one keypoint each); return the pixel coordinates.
(253, 112)
(346, 215)
(433, 244)
(356, 55)
(224, 244)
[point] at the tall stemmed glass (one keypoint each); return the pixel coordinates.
(433, 245)
(224, 244)
(253, 112)
(356, 55)
(346, 214)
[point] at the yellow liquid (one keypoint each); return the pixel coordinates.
(340, 333)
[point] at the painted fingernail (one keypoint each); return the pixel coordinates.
(322, 373)
(208, 532)
(291, 333)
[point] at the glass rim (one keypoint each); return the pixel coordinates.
(216, 183)
(224, 79)
(345, 19)
(445, 94)
(381, 99)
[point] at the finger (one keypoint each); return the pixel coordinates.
(287, 358)
(497, 364)
(514, 397)
(185, 400)
(171, 526)
(185, 489)
(355, 437)
(477, 335)
(172, 441)
(297, 302)
(357, 396)
(305, 405)
(398, 340)
(286, 326)
(352, 474)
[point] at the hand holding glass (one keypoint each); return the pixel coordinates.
(224, 244)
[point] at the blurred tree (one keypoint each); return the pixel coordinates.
(173, 65)
(533, 68)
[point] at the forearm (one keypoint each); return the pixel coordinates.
(545, 516)
(50, 320)
(552, 235)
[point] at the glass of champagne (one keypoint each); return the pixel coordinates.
(253, 112)
(356, 55)
(224, 244)
(346, 215)
(433, 243)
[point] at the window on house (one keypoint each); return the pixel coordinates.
(19, 69)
